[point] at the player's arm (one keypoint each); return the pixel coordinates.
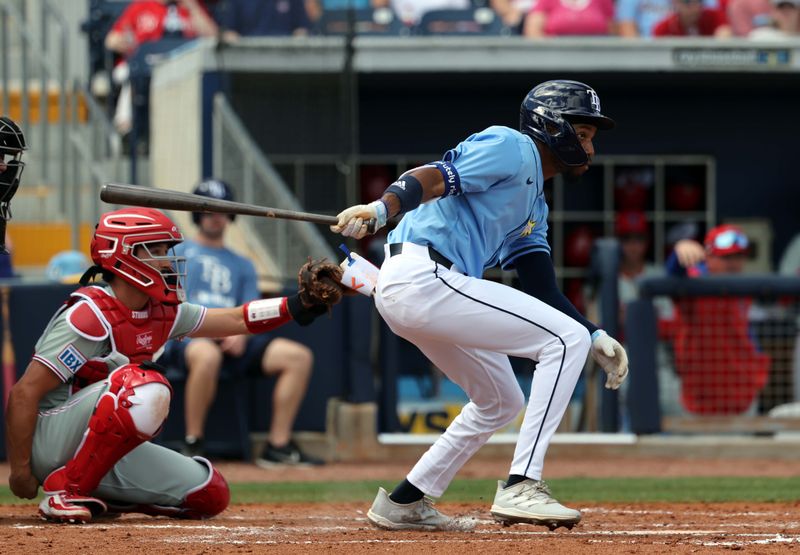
(257, 317)
(411, 189)
(21, 414)
(538, 278)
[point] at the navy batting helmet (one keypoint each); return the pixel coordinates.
(213, 188)
(550, 109)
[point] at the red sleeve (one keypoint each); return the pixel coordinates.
(127, 19)
(661, 28)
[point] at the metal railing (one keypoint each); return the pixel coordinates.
(239, 161)
(87, 154)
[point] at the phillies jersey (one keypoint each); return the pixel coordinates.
(496, 212)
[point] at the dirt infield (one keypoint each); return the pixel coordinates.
(343, 528)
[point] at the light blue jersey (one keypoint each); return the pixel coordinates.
(497, 211)
(217, 278)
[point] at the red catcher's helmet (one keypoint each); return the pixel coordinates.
(115, 239)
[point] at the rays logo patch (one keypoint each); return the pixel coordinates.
(71, 358)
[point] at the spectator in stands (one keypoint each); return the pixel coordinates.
(67, 266)
(550, 18)
(260, 18)
(512, 12)
(150, 21)
(781, 21)
(411, 11)
(217, 277)
(746, 15)
(314, 8)
(634, 239)
(691, 18)
(637, 18)
(720, 366)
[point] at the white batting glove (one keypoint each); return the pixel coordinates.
(353, 221)
(610, 355)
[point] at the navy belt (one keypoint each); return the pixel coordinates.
(436, 256)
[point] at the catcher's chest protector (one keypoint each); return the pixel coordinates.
(137, 335)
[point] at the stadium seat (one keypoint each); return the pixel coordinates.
(473, 21)
(380, 21)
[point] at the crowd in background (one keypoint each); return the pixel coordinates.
(531, 18)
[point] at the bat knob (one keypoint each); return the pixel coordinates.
(372, 225)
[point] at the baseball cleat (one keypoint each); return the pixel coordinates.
(420, 515)
(530, 502)
(63, 507)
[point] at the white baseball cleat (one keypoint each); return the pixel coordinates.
(530, 501)
(420, 515)
(63, 507)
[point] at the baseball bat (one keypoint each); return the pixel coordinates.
(9, 358)
(151, 197)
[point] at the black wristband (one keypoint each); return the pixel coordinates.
(302, 314)
(408, 189)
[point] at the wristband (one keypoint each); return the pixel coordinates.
(598, 333)
(381, 213)
(409, 190)
(266, 314)
(302, 314)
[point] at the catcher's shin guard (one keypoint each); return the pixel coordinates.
(131, 412)
(204, 501)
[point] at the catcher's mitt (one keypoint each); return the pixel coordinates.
(319, 283)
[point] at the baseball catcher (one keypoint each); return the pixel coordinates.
(80, 419)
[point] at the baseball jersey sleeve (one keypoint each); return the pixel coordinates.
(485, 159)
(189, 318)
(64, 352)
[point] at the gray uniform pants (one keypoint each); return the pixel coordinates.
(150, 474)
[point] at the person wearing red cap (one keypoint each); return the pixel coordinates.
(634, 238)
(721, 368)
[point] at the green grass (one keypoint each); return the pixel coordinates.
(597, 490)
(567, 489)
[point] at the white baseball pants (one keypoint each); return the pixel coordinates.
(467, 326)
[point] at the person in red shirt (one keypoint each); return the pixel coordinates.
(569, 17)
(152, 20)
(720, 365)
(691, 18)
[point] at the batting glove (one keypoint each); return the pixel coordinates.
(610, 355)
(353, 221)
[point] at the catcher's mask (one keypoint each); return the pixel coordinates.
(114, 246)
(12, 145)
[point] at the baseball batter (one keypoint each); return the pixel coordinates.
(80, 418)
(483, 205)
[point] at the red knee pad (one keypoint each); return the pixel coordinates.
(208, 499)
(112, 433)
